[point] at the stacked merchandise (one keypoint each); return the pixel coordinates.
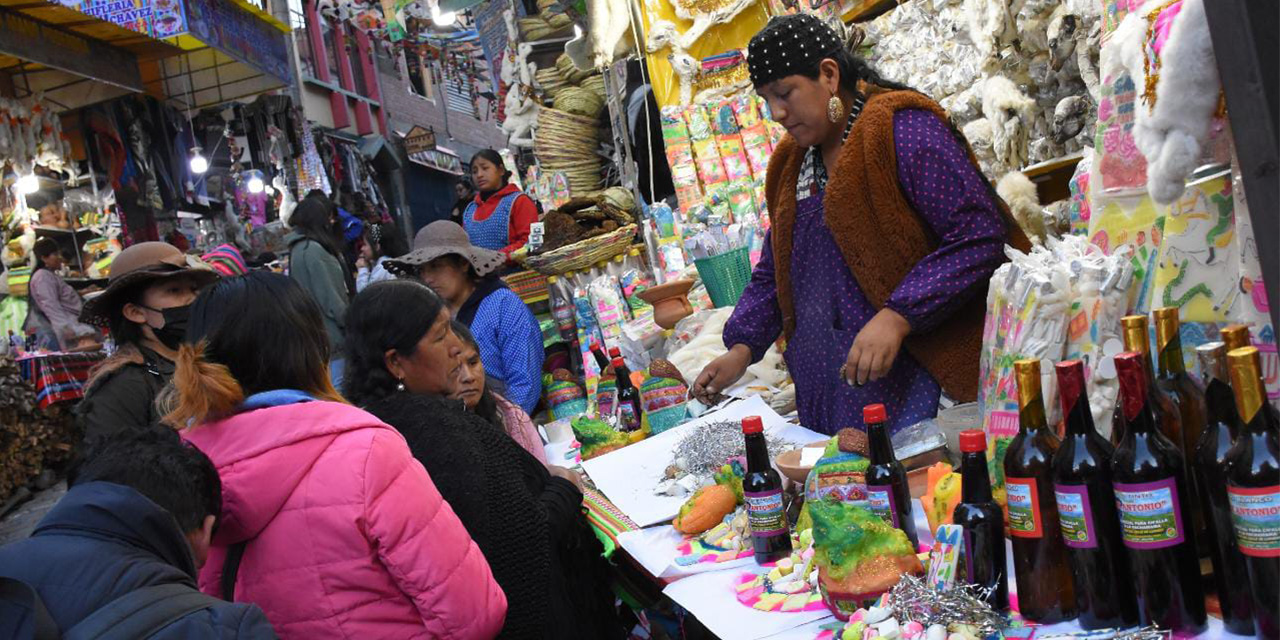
(718, 155)
(31, 439)
(567, 133)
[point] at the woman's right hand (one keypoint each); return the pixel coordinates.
(567, 474)
(721, 373)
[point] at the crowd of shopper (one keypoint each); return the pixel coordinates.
(345, 450)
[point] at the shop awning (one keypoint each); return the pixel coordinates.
(440, 159)
(197, 53)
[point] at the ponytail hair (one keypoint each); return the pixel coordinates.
(202, 390)
(259, 332)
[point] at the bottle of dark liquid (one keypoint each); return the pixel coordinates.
(762, 492)
(982, 520)
(1253, 488)
(1087, 512)
(630, 413)
(1231, 576)
(601, 360)
(1188, 398)
(1138, 340)
(1046, 592)
(1149, 476)
(888, 493)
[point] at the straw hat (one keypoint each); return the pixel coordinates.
(442, 238)
(140, 264)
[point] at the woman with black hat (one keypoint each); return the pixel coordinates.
(464, 275)
(146, 304)
(884, 236)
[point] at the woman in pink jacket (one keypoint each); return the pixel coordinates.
(339, 531)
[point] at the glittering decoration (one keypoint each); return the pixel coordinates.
(706, 448)
(1142, 633)
(913, 599)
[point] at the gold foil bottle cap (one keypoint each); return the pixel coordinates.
(1166, 325)
(1136, 338)
(1246, 381)
(1213, 361)
(1235, 336)
(1028, 375)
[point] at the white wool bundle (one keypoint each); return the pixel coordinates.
(1019, 192)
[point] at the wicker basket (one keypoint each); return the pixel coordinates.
(581, 254)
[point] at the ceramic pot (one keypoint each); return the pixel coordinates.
(670, 302)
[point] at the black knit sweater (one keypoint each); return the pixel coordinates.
(528, 523)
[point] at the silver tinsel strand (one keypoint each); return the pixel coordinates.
(706, 449)
(913, 599)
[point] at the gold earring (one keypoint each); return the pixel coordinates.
(835, 108)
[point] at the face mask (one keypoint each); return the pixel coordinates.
(175, 325)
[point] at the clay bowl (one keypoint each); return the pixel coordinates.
(670, 302)
(788, 462)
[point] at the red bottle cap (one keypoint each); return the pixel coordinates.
(1132, 371)
(617, 363)
(1070, 384)
(615, 352)
(973, 441)
(752, 424)
(874, 414)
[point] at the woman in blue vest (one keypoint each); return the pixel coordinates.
(498, 218)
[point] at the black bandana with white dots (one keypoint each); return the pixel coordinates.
(789, 45)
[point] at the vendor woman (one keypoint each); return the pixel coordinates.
(499, 217)
(884, 237)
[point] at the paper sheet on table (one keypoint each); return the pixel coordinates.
(628, 476)
(655, 549)
(711, 598)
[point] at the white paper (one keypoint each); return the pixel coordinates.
(655, 549)
(711, 598)
(809, 456)
(628, 475)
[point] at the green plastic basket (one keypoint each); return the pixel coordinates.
(725, 275)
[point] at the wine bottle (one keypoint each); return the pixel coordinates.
(888, 493)
(1087, 512)
(1188, 398)
(982, 521)
(630, 412)
(1138, 340)
(1231, 576)
(1236, 336)
(1149, 475)
(762, 492)
(1253, 488)
(1046, 592)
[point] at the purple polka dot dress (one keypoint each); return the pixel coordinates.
(955, 201)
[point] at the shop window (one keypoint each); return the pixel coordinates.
(302, 37)
(359, 83)
(331, 49)
(421, 81)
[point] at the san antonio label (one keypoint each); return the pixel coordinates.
(1150, 514)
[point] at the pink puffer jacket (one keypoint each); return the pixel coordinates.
(347, 535)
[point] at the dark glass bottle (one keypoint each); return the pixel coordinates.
(1188, 398)
(1087, 512)
(601, 360)
(1231, 576)
(1253, 488)
(630, 412)
(1149, 476)
(1137, 339)
(1046, 593)
(762, 491)
(1236, 336)
(888, 493)
(982, 520)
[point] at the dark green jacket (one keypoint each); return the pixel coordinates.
(321, 275)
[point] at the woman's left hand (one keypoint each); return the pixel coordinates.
(875, 348)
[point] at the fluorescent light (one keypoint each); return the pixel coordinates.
(199, 164)
(28, 184)
(443, 19)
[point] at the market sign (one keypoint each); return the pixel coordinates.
(50, 46)
(438, 160)
(154, 18)
(237, 32)
(419, 139)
